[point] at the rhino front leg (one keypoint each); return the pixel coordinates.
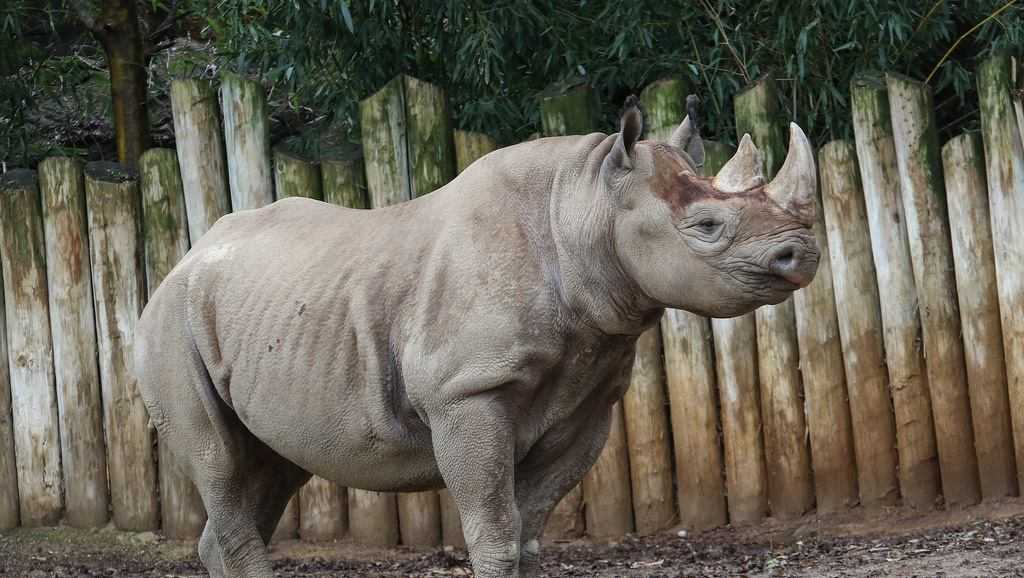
(474, 446)
(552, 468)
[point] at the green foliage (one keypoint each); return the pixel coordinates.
(496, 58)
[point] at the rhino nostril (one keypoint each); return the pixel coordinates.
(785, 258)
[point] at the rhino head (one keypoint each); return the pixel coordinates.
(718, 246)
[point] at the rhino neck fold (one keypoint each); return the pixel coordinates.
(591, 281)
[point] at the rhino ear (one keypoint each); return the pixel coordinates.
(687, 135)
(631, 126)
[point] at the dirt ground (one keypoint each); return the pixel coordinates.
(982, 541)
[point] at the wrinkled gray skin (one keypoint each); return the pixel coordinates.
(474, 338)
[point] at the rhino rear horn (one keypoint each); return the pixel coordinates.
(743, 171)
(794, 188)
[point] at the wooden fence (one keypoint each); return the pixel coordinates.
(897, 376)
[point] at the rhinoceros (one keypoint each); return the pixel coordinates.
(475, 338)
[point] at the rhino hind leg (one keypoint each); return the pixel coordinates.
(244, 484)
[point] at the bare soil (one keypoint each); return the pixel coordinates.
(981, 541)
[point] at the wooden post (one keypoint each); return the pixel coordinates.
(431, 165)
(325, 505)
(736, 369)
(824, 379)
(382, 122)
(469, 146)
(72, 324)
(647, 433)
(8, 467)
(736, 364)
(407, 143)
(606, 487)
(967, 200)
(908, 382)
(30, 353)
(112, 204)
(647, 429)
(693, 402)
(295, 176)
(298, 177)
(321, 505)
(344, 182)
(790, 486)
(664, 104)
(247, 142)
(407, 139)
(924, 208)
(571, 112)
(166, 242)
(1004, 169)
(859, 318)
(200, 154)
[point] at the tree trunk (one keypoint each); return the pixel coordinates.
(117, 29)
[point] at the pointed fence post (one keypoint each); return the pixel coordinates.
(693, 402)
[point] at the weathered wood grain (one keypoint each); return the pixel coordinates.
(197, 136)
(1004, 170)
(978, 294)
(72, 324)
(904, 356)
(30, 350)
(112, 202)
(166, 242)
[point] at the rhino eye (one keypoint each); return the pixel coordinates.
(707, 225)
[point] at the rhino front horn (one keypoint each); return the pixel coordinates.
(743, 171)
(794, 188)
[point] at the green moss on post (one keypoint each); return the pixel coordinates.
(571, 112)
(1004, 167)
(30, 354)
(344, 181)
(386, 154)
(470, 146)
(166, 242)
(924, 203)
(785, 430)
(915, 432)
(296, 177)
(83, 455)
(664, 105)
(429, 137)
(112, 199)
